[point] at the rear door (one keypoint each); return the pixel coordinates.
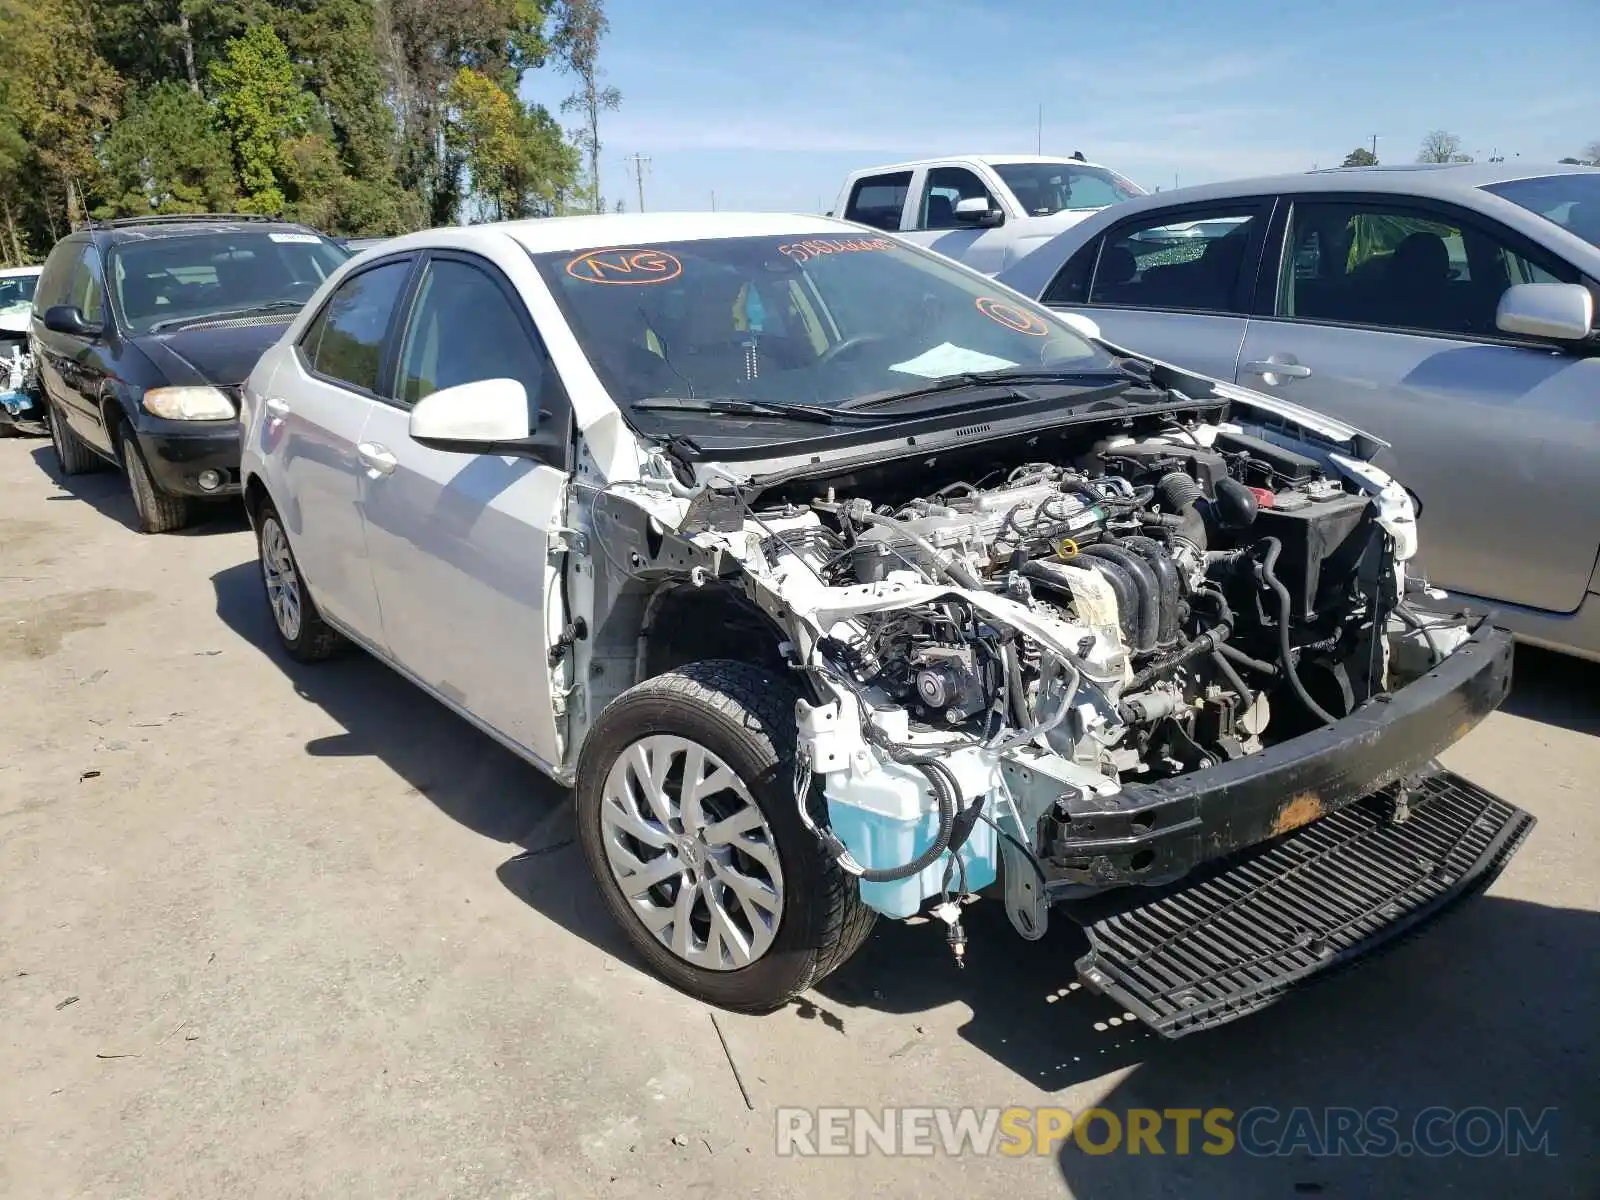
(463, 554)
(316, 410)
(1384, 315)
(1176, 283)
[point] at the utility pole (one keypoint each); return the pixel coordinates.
(713, 199)
(1374, 145)
(640, 163)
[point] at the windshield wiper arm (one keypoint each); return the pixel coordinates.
(227, 314)
(1000, 379)
(739, 407)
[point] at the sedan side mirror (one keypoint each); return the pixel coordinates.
(975, 210)
(485, 417)
(68, 319)
(1561, 312)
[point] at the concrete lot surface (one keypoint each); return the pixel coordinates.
(279, 931)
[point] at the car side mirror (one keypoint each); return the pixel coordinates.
(68, 319)
(483, 417)
(1561, 312)
(975, 210)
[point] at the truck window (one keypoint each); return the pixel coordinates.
(945, 186)
(878, 200)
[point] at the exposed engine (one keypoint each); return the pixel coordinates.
(1222, 590)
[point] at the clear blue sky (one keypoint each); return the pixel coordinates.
(770, 103)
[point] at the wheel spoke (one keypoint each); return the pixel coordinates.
(726, 941)
(621, 813)
(752, 891)
(761, 852)
(640, 876)
(681, 933)
(722, 833)
(650, 771)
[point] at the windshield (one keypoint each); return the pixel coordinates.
(17, 290)
(169, 281)
(1571, 201)
(1045, 188)
(819, 321)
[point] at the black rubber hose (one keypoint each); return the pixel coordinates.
(1204, 644)
(1225, 668)
(1144, 582)
(948, 799)
(1015, 691)
(1234, 654)
(1166, 572)
(1269, 559)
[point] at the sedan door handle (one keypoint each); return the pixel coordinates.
(1283, 370)
(377, 458)
(277, 406)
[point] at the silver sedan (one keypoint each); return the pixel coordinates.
(1448, 309)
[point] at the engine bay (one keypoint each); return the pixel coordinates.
(1222, 592)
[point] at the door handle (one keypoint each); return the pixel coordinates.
(277, 406)
(1283, 370)
(376, 458)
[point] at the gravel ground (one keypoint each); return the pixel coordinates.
(269, 930)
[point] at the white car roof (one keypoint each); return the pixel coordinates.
(988, 160)
(556, 234)
(14, 272)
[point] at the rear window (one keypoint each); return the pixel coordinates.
(1570, 201)
(170, 281)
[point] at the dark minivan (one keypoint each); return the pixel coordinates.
(144, 330)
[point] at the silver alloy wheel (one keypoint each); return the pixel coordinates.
(282, 580)
(692, 853)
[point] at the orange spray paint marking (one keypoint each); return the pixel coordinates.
(625, 265)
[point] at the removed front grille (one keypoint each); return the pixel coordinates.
(1231, 940)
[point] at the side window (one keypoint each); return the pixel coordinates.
(878, 200)
(463, 328)
(1197, 262)
(945, 186)
(85, 291)
(345, 342)
(55, 280)
(1396, 267)
(1071, 284)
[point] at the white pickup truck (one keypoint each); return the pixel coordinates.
(985, 210)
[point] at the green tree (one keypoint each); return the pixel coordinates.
(516, 156)
(1360, 157)
(1441, 146)
(261, 108)
(62, 94)
(166, 155)
(579, 28)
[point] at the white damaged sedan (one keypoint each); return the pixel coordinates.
(840, 581)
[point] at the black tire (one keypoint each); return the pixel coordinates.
(744, 715)
(312, 639)
(155, 510)
(72, 456)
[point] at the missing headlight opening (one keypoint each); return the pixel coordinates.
(1064, 664)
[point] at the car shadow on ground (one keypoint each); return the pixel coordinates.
(465, 774)
(106, 491)
(1490, 1006)
(1556, 689)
